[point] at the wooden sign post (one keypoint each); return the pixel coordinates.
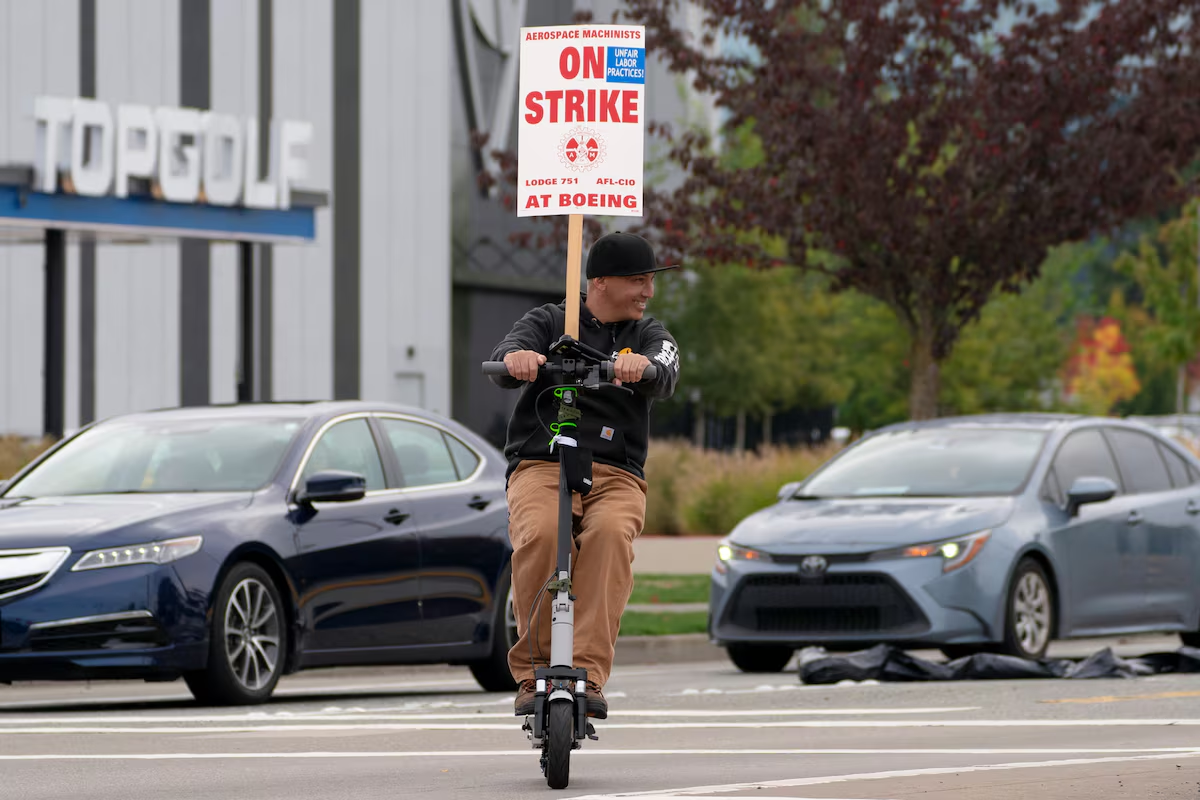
(580, 137)
(574, 259)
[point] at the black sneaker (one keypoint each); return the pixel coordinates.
(597, 706)
(523, 705)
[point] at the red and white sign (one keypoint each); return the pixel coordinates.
(582, 128)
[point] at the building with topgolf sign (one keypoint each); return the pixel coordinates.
(214, 201)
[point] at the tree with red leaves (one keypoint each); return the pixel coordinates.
(927, 152)
(1101, 371)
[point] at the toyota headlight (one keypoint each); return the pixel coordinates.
(727, 551)
(162, 552)
(955, 553)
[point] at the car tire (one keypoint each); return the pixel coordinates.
(1029, 614)
(955, 651)
(1191, 639)
(247, 641)
(760, 657)
(492, 673)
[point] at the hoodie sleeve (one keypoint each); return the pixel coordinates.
(659, 346)
(531, 332)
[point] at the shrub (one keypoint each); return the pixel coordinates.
(16, 452)
(695, 491)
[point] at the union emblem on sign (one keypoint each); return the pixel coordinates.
(581, 149)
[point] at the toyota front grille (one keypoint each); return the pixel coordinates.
(838, 604)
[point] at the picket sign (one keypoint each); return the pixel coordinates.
(581, 133)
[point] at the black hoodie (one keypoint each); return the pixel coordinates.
(615, 424)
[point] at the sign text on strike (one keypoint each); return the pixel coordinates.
(582, 105)
(581, 200)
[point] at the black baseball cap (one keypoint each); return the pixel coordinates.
(622, 254)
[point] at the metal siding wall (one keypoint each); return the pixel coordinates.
(302, 351)
(407, 68)
(71, 384)
(137, 286)
(234, 91)
(434, 75)
(38, 55)
(384, 47)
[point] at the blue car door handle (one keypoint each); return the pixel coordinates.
(479, 503)
(395, 516)
(1192, 507)
(1134, 518)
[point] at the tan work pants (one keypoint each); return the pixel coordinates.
(607, 520)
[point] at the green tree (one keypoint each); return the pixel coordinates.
(1010, 358)
(1164, 267)
(752, 342)
(872, 348)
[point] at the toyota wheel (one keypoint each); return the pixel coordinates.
(1030, 619)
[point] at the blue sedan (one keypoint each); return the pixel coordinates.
(998, 532)
(230, 546)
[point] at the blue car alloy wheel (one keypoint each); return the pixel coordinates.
(492, 672)
(246, 641)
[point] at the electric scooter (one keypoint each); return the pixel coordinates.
(560, 723)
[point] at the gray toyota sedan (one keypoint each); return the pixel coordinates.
(996, 532)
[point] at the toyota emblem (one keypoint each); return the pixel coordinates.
(813, 566)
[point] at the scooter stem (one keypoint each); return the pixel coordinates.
(562, 625)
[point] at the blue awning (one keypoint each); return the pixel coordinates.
(23, 208)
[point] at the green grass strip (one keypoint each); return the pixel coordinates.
(670, 589)
(637, 623)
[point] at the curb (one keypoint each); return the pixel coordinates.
(666, 608)
(669, 649)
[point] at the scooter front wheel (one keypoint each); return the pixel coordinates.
(560, 740)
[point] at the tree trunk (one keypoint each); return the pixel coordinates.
(739, 442)
(698, 427)
(766, 430)
(926, 377)
(1180, 390)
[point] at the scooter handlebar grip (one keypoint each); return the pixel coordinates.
(495, 368)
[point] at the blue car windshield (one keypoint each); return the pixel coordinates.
(168, 455)
(931, 462)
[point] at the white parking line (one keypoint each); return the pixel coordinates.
(315, 689)
(1126, 753)
(310, 724)
(709, 791)
(338, 716)
(320, 688)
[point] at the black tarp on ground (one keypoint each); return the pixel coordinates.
(886, 663)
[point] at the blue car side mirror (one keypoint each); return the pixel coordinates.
(333, 486)
(1089, 490)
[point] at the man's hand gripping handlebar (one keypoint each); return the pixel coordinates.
(525, 365)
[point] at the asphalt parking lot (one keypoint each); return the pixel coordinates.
(689, 729)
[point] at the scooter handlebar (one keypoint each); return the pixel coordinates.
(499, 368)
(495, 368)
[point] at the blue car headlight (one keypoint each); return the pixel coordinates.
(161, 552)
(955, 553)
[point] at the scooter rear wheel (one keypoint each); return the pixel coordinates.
(560, 740)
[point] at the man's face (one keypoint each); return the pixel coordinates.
(627, 295)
